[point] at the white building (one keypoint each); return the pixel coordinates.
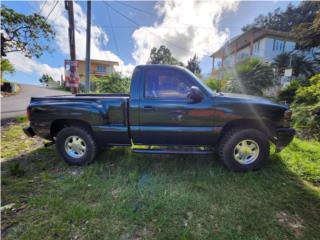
(263, 43)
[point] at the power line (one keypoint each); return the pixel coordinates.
(138, 25)
(41, 8)
(151, 14)
(112, 31)
(52, 10)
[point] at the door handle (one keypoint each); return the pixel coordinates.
(148, 108)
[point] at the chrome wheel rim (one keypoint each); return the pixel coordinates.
(75, 146)
(246, 151)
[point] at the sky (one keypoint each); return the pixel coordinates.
(125, 31)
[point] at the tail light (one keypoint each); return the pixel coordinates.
(288, 114)
(28, 113)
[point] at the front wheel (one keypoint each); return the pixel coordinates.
(244, 149)
(76, 146)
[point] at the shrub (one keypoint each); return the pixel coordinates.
(113, 83)
(289, 92)
(215, 84)
(250, 76)
(306, 109)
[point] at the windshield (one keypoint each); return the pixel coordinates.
(207, 89)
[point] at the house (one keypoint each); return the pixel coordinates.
(98, 68)
(263, 43)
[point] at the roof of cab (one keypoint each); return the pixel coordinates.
(161, 66)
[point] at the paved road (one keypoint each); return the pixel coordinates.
(14, 106)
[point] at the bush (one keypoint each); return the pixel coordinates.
(289, 92)
(113, 83)
(309, 94)
(215, 84)
(306, 109)
(250, 76)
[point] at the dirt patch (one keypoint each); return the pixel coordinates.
(292, 222)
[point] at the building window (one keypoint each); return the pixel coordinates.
(101, 68)
(278, 45)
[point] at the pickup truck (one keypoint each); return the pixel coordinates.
(169, 110)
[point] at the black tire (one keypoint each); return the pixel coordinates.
(232, 138)
(85, 135)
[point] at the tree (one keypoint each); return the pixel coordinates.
(285, 21)
(24, 33)
(6, 67)
(162, 55)
(194, 65)
(281, 62)
(299, 64)
(251, 76)
(45, 79)
(307, 34)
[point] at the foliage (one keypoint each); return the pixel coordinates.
(309, 94)
(113, 83)
(288, 93)
(162, 55)
(299, 63)
(24, 33)
(251, 76)
(306, 108)
(45, 79)
(214, 84)
(286, 20)
(307, 34)
(6, 66)
(194, 65)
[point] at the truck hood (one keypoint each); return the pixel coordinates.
(249, 99)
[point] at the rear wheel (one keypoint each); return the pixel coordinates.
(244, 149)
(76, 145)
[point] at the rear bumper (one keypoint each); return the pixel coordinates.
(28, 131)
(283, 137)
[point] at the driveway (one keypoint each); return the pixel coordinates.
(15, 105)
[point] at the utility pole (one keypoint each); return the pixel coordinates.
(88, 45)
(69, 8)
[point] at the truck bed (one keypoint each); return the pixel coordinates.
(107, 114)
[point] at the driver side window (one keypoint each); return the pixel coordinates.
(166, 84)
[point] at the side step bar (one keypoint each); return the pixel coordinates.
(170, 151)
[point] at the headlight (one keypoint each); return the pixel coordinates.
(287, 115)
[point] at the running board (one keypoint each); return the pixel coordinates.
(170, 151)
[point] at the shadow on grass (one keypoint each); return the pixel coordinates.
(154, 196)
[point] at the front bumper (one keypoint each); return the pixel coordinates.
(28, 131)
(283, 137)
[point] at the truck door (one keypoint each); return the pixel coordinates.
(167, 116)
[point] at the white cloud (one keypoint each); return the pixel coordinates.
(99, 38)
(27, 65)
(187, 27)
(59, 21)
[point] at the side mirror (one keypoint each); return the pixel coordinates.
(195, 94)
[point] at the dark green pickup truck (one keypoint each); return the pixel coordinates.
(168, 108)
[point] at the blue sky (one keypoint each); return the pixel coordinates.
(130, 41)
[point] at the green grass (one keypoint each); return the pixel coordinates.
(14, 142)
(131, 196)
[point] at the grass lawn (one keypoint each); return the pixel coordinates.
(131, 196)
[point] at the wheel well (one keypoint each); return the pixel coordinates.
(58, 125)
(266, 127)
